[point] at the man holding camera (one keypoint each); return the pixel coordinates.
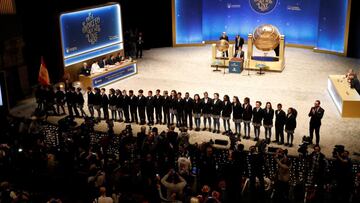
(282, 185)
(316, 113)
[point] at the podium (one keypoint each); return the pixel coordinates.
(235, 66)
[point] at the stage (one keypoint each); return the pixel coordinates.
(303, 80)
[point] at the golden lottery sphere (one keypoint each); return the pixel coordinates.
(222, 45)
(266, 37)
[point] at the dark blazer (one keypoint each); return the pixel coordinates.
(101, 63)
(179, 106)
(197, 107)
(104, 101)
(141, 101)
(258, 115)
(112, 100)
(120, 101)
(239, 42)
(206, 107)
(247, 112)
(188, 105)
(315, 119)
(158, 101)
(90, 98)
(227, 109)
(166, 103)
(132, 102)
(71, 97)
(217, 107)
(237, 111)
(150, 102)
(97, 99)
(280, 118)
(290, 122)
(268, 117)
(79, 99)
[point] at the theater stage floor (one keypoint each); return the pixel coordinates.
(302, 82)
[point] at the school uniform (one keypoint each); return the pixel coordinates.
(268, 123)
(225, 114)
(71, 103)
(119, 106)
(290, 128)
(125, 107)
(280, 120)
(246, 117)
(217, 107)
(166, 103)
(97, 104)
(141, 108)
(133, 101)
(188, 111)
(197, 107)
(179, 110)
(206, 111)
(105, 105)
(60, 101)
(172, 109)
(258, 115)
(112, 105)
(158, 103)
(237, 112)
(80, 103)
(90, 102)
(150, 105)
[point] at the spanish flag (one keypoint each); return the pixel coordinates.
(43, 78)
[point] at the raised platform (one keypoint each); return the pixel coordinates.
(347, 100)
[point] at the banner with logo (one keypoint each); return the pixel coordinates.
(89, 33)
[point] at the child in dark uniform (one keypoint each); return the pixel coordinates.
(290, 126)
(206, 110)
(119, 104)
(237, 115)
(216, 111)
(197, 111)
(80, 101)
(258, 116)
(112, 104)
(226, 113)
(60, 100)
(247, 115)
(172, 109)
(268, 121)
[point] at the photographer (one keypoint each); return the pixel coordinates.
(174, 183)
(282, 185)
(343, 176)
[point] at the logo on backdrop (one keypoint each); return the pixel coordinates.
(263, 6)
(91, 28)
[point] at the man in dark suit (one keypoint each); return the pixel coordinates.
(158, 102)
(239, 42)
(225, 37)
(188, 108)
(141, 106)
(179, 107)
(316, 113)
(133, 107)
(150, 104)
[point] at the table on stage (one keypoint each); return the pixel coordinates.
(109, 75)
(347, 100)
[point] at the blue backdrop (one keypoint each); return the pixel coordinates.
(301, 21)
(90, 33)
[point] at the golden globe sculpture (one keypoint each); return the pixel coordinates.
(222, 45)
(266, 37)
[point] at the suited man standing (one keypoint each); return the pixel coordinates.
(239, 42)
(316, 113)
(141, 106)
(280, 120)
(188, 111)
(150, 105)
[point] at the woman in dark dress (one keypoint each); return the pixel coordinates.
(197, 111)
(290, 126)
(247, 115)
(258, 115)
(216, 111)
(119, 104)
(268, 121)
(112, 103)
(226, 113)
(206, 110)
(237, 111)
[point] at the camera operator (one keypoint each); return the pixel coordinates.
(282, 185)
(343, 176)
